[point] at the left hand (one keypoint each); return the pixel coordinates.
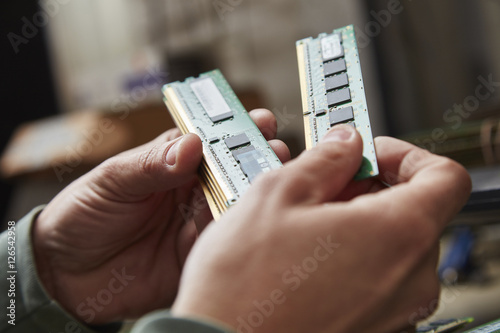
(112, 245)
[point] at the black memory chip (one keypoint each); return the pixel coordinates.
(251, 160)
(337, 81)
(213, 139)
(237, 141)
(238, 152)
(338, 97)
(341, 115)
(334, 67)
(320, 112)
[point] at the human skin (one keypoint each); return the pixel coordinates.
(124, 214)
(381, 264)
(123, 218)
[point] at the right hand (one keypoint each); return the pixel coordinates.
(307, 250)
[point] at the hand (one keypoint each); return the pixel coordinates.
(112, 245)
(307, 250)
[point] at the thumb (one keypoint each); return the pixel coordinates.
(160, 167)
(320, 174)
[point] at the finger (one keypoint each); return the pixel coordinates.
(201, 210)
(186, 239)
(203, 218)
(435, 190)
(356, 188)
(166, 136)
(160, 167)
(265, 121)
(281, 150)
(372, 185)
(432, 184)
(321, 173)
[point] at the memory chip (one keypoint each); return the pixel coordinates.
(211, 99)
(237, 141)
(320, 112)
(341, 115)
(331, 47)
(238, 152)
(234, 150)
(332, 89)
(447, 325)
(252, 163)
(334, 67)
(338, 97)
(336, 82)
(213, 139)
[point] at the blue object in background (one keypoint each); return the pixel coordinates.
(457, 262)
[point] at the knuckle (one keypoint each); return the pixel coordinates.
(289, 185)
(412, 161)
(110, 167)
(147, 160)
(317, 161)
(278, 186)
(459, 174)
(106, 173)
(321, 158)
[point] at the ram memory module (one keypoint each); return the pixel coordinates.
(444, 325)
(492, 327)
(333, 91)
(234, 150)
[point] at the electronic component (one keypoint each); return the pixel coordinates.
(211, 99)
(336, 82)
(237, 141)
(334, 67)
(337, 97)
(252, 162)
(331, 47)
(341, 115)
(320, 112)
(331, 84)
(491, 327)
(234, 150)
(444, 325)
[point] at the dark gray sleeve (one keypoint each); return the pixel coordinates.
(30, 309)
(162, 321)
(28, 306)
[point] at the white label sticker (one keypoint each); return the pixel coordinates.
(210, 98)
(331, 47)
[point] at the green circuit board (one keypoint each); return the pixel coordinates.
(333, 91)
(234, 150)
(491, 327)
(444, 325)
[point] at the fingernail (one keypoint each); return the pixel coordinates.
(172, 152)
(339, 133)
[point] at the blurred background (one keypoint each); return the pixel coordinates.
(80, 81)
